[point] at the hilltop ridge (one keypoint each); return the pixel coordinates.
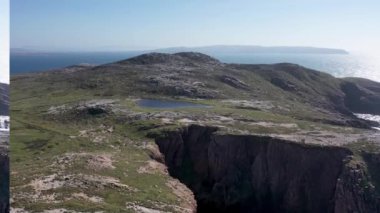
(196, 75)
(182, 57)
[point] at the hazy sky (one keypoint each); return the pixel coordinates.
(86, 25)
(4, 41)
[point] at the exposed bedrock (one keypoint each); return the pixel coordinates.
(361, 100)
(246, 173)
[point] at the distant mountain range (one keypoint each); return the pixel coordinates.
(244, 49)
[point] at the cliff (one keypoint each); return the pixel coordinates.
(4, 181)
(247, 173)
(4, 159)
(4, 99)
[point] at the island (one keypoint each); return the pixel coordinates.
(254, 49)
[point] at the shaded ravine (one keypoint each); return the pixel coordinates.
(4, 182)
(247, 173)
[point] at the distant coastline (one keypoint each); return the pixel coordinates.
(226, 49)
(29, 60)
(253, 49)
(339, 65)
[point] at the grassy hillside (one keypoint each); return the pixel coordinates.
(81, 142)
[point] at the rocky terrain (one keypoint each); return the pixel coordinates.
(4, 140)
(271, 138)
(248, 173)
(4, 99)
(4, 177)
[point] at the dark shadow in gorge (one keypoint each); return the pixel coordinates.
(246, 173)
(4, 182)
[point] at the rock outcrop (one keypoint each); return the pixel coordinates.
(234, 82)
(182, 58)
(247, 173)
(4, 99)
(362, 99)
(355, 191)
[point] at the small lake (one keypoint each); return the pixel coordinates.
(166, 104)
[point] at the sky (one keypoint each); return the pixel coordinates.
(117, 25)
(4, 41)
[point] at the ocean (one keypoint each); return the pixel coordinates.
(369, 117)
(339, 65)
(4, 123)
(32, 62)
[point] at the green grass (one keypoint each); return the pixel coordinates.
(37, 142)
(39, 139)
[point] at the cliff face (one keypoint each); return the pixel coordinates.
(245, 173)
(4, 183)
(361, 98)
(4, 99)
(355, 191)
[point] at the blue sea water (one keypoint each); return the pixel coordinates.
(338, 65)
(33, 62)
(350, 65)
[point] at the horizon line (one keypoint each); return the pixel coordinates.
(42, 50)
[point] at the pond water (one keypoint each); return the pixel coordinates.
(166, 104)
